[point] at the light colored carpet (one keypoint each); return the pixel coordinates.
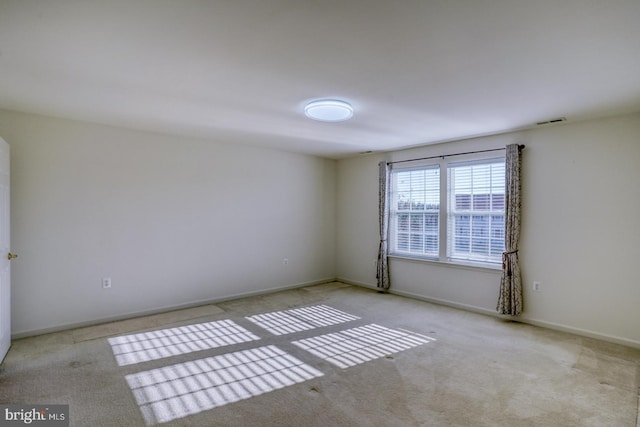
(395, 362)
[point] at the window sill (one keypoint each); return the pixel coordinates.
(450, 264)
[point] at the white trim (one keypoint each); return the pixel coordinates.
(539, 323)
(452, 304)
(466, 307)
(484, 267)
(74, 325)
(523, 319)
(443, 226)
(356, 283)
(581, 332)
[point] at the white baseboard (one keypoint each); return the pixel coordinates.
(355, 283)
(481, 310)
(522, 319)
(582, 332)
(73, 325)
(452, 304)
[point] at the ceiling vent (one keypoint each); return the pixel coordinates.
(558, 120)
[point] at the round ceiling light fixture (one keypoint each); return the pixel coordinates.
(329, 110)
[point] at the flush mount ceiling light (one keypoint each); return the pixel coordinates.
(329, 110)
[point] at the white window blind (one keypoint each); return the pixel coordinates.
(475, 209)
(456, 215)
(415, 211)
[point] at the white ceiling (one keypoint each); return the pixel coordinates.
(416, 71)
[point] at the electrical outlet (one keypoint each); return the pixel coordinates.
(537, 286)
(285, 261)
(106, 282)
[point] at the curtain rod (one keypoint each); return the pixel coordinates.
(442, 156)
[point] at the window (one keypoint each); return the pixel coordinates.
(461, 204)
(476, 211)
(416, 211)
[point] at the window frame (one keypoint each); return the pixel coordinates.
(394, 220)
(444, 255)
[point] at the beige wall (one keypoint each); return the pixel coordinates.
(580, 234)
(171, 220)
(177, 221)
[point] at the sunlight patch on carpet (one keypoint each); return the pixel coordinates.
(359, 345)
(176, 391)
(152, 345)
(300, 319)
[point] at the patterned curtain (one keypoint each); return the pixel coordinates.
(510, 299)
(382, 273)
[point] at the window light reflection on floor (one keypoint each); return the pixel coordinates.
(358, 345)
(152, 345)
(300, 319)
(176, 391)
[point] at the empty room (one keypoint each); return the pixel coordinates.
(319, 213)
